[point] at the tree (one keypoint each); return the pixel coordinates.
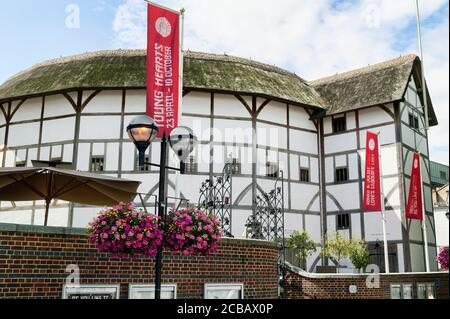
(303, 245)
(359, 254)
(337, 248)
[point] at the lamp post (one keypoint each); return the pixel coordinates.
(142, 131)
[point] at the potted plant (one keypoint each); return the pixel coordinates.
(303, 246)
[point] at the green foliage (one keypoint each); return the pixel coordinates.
(337, 248)
(340, 248)
(359, 254)
(302, 244)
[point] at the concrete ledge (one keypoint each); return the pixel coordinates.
(18, 228)
(306, 274)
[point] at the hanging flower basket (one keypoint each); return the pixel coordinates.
(192, 232)
(126, 232)
(442, 258)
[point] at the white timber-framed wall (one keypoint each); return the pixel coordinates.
(79, 125)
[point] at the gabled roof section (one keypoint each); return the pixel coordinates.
(377, 84)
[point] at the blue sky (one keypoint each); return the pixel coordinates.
(313, 38)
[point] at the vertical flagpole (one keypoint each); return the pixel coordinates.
(424, 88)
(424, 223)
(383, 212)
(180, 99)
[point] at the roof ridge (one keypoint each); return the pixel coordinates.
(364, 70)
(139, 52)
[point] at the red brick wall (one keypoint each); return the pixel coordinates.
(33, 262)
(337, 286)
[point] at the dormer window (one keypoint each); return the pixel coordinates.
(339, 124)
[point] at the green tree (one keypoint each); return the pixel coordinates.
(337, 248)
(359, 254)
(302, 244)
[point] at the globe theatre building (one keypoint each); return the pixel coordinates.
(259, 117)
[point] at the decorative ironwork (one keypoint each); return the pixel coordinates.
(267, 221)
(216, 197)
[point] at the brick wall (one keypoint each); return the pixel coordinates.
(33, 260)
(336, 286)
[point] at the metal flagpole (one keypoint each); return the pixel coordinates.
(180, 99)
(424, 223)
(424, 88)
(383, 212)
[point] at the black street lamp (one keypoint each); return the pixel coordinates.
(142, 131)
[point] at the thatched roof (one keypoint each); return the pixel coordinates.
(374, 85)
(377, 84)
(126, 69)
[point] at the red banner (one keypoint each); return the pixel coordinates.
(372, 190)
(414, 207)
(163, 65)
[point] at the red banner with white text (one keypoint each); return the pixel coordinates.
(414, 207)
(372, 190)
(163, 67)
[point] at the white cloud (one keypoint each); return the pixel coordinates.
(313, 38)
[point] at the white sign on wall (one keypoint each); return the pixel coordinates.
(91, 292)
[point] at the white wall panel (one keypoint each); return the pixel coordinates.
(298, 117)
(83, 156)
(23, 134)
(373, 116)
(104, 102)
(301, 196)
(356, 226)
(271, 135)
(32, 155)
(128, 151)
(225, 105)
(351, 120)
(346, 194)
(294, 162)
(274, 112)
(100, 127)
(374, 227)
(329, 170)
(59, 130)
(135, 101)
(327, 125)
(303, 142)
(353, 166)
(314, 170)
(29, 110)
(68, 153)
(312, 225)
(340, 143)
(292, 222)
(56, 105)
(112, 157)
(238, 221)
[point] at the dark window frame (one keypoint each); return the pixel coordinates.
(339, 175)
(272, 169)
(339, 124)
(97, 160)
(305, 175)
(343, 221)
(236, 166)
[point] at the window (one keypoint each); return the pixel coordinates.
(341, 174)
(224, 291)
(413, 121)
(339, 124)
(20, 163)
(304, 175)
(401, 291)
(233, 166)
(97, 164)
(376, 254)
(146, 167)
(191, 165)
(443, 175)
(148, 292)
(426, 291)
(343, 221)
(272, 169)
